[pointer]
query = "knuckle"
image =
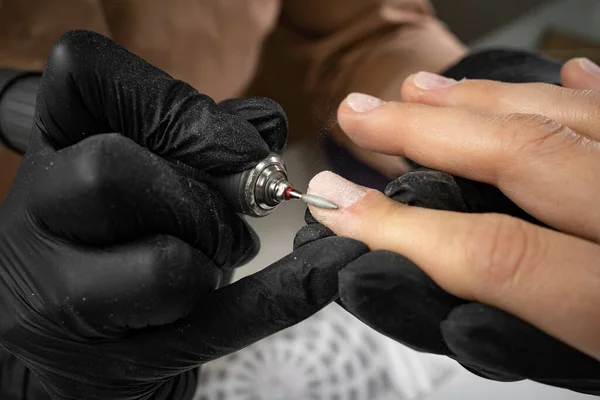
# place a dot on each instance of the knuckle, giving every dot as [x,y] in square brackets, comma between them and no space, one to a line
[162,249]
[496,92]
[69,298]
[95,169]
[427,189]
[164,261]
[594,99]
[501,253]
[73,50]
[90,173]
[534,133]
[591,97]
[389,215]
[589,113]
[311,233]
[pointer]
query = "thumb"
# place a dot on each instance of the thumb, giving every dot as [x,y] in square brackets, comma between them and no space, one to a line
[581,73]
[364,214]
[491,258]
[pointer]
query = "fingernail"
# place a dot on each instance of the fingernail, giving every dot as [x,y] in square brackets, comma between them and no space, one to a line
[363,102]
[337,189]
[590,66]
[429,81]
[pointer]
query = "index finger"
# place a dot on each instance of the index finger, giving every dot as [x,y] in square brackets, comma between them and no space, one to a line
[282,295]
[525,156]
[92,85]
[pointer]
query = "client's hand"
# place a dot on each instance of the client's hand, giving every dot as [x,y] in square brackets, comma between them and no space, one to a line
[517,240]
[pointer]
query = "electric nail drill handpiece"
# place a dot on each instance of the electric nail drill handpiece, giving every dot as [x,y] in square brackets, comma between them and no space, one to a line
[254,192]
[258,191]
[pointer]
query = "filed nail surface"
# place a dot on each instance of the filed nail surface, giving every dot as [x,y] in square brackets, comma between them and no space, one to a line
[340,191]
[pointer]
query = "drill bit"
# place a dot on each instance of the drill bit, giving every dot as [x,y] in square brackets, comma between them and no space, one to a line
[310,199]
[318,201]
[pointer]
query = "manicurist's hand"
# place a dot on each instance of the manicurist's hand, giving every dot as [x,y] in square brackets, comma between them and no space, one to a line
[491,253]
[112,260]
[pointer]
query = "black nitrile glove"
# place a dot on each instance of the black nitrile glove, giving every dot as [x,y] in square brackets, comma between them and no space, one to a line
[394,296]
[110,258]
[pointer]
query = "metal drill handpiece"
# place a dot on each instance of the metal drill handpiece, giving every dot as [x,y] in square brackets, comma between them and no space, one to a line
[257,191]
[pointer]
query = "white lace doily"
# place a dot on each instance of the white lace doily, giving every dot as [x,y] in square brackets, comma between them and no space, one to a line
[330,356]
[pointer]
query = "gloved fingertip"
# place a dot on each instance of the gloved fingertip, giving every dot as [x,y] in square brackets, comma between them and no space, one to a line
[266,115]
[428,189]
[311,233]
[309,218]
[491,375]
[279,296]
[494,340]
[75,51]
[468,326]
[470,347]
[70,42]
[393,296]
[368,278]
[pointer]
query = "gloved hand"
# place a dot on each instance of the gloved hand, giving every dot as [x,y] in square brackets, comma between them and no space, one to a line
[394,296]
[110,258]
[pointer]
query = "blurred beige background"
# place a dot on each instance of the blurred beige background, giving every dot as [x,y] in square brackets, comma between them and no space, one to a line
[470,19]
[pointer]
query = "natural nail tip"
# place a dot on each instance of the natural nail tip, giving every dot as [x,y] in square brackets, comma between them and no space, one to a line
[429,81]
[363,102]
[589,66]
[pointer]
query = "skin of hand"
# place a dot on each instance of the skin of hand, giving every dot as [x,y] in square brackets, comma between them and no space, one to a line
[539,144]
[29,28]
[213,45]
[429,46]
